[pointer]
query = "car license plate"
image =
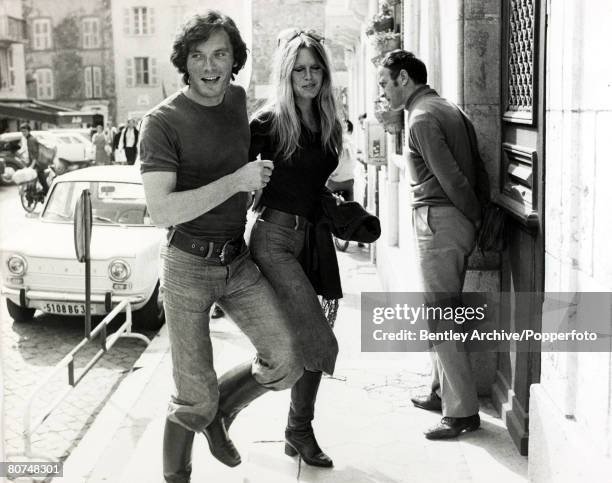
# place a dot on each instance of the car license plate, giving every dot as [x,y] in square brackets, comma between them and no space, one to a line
[64,309]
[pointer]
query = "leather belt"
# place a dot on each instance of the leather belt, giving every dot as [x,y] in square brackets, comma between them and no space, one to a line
[288,220]
[223,252]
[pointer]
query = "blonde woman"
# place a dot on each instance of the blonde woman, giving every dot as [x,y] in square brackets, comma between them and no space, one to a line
[299,130]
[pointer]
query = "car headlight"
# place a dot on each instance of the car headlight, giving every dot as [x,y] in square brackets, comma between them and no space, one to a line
[17,265]
[118,271]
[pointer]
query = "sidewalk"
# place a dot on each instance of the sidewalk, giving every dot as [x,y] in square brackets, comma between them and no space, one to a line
[364,419]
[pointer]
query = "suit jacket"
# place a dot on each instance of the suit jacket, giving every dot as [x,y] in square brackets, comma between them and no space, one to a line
[123,135]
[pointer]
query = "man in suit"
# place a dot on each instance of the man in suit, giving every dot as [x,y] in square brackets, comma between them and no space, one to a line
[128,141]
[446,216]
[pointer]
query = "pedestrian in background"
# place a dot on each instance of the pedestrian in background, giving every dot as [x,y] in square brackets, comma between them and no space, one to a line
[343,177]
[34,159]
[299,129]
[103,149]
[446,215]
[119,155]
[110,133]
[128,142]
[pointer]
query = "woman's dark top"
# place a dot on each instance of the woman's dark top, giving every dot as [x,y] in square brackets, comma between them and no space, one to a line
[296,184]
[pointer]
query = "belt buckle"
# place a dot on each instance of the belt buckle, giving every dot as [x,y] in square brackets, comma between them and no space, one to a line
[228,252]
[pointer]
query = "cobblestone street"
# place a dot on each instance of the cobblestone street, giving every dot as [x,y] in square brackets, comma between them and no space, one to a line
[29,352]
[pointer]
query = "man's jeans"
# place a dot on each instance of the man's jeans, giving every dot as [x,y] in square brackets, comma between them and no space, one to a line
[445,238]
[191,284]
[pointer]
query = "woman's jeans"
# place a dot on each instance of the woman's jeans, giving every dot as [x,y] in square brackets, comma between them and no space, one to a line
[191,284]
[276,249]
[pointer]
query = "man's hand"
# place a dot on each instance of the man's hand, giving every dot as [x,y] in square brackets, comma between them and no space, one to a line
[254,175]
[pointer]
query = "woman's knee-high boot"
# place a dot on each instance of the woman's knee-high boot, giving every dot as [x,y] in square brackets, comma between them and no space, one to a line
[299,436]
[178,442]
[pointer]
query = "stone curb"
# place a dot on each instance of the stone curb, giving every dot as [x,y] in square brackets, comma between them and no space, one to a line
[84,458]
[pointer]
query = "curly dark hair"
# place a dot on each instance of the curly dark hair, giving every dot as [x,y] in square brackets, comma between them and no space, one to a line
[198,29]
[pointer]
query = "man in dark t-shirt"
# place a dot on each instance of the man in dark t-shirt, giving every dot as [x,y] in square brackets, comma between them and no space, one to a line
[197,178]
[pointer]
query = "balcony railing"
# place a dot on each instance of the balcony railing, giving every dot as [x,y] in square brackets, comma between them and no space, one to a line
[12,30]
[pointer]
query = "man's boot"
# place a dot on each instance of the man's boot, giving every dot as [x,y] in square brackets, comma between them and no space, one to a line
[178,442]
[237,388]
[299,436]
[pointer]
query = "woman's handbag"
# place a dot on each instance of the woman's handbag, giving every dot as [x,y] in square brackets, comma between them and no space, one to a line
[492,232]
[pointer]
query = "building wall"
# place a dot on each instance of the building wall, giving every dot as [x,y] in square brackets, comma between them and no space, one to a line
[13,8]
[135,101]
[67,57]
[571,408]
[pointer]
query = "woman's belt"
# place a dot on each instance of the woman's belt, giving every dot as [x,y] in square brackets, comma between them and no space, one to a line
[288,220]
[224,252]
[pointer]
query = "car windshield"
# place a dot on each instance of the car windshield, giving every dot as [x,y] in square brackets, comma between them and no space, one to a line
[111,202]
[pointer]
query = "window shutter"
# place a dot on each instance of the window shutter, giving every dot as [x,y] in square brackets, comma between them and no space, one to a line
[126,21]
[47,35]
[88,84]
[38,84]
[153,62]
[97,35]
[85,33]
[97,82]
[151,20]
[129,72]
[50,81]
[36,35]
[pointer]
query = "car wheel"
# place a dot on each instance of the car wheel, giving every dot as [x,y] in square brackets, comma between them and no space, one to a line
[19,313]
[151,316]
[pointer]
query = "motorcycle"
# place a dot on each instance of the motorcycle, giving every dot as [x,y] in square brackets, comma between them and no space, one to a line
[30,190]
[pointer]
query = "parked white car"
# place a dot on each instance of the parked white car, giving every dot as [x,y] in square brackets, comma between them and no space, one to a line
[72,149]
[40,271]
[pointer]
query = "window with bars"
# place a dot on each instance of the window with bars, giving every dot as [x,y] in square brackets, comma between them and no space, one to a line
[93,81]
[91,33]
[41,34]
[141,71]
[139,21]
[44,84]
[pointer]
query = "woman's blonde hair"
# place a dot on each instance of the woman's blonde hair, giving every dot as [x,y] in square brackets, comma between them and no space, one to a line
[286,126]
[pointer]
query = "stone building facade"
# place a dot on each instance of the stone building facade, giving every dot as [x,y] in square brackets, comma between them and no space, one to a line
[12,58]
[532,76]
[69,55]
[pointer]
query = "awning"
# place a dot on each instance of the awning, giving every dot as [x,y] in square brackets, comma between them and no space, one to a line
[31,110]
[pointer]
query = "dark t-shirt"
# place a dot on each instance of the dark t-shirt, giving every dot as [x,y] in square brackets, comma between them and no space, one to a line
[296,184]
[201,144]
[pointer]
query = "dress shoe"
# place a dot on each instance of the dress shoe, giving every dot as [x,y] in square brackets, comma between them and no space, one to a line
[453,427]
[431,402]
